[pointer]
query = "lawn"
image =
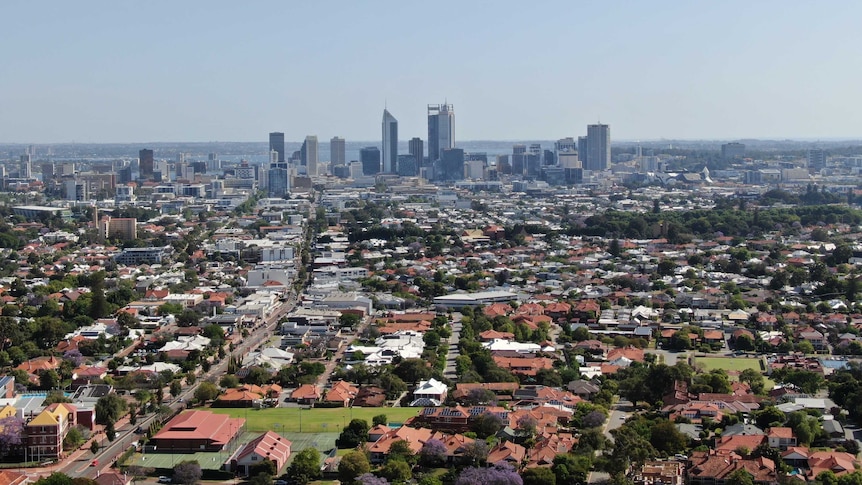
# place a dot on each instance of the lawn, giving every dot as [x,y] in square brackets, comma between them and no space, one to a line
[730,363]
[733,365]
[317,420]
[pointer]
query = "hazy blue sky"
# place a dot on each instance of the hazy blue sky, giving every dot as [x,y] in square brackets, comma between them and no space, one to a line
[117,71]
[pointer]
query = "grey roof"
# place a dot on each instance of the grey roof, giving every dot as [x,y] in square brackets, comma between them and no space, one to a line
[742,429]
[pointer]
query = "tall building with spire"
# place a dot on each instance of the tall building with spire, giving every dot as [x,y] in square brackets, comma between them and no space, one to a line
[441,130]
[390,143]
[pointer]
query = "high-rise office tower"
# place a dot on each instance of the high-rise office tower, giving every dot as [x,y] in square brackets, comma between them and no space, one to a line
[26,166]
[390,143]
[582,149]
[416,148]
[816,159]
[337,151]
[451,164]
[278,179]
[370,158]
[441,130]
[598,147]
[309,155]
[565,145]
[519,159]
[146,163]
[276,143]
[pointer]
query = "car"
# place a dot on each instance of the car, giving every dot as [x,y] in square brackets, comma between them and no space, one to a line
[94,463]
[280,482]
[164,479]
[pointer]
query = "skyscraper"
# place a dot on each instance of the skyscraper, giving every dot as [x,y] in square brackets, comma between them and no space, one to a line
[370,158]
[451,164]
[309,155]
[336,151]
[278,179]
[145,163]
[441,130]
[415,147]
[276,143]
[390,143]
[598,147]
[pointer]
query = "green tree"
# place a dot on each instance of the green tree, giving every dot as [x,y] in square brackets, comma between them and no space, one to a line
[539,476]
[486,424]
[739,477]
[396,471]
[352,465]
[206,391]
[570,468]
[109,409]
[266,467]
[666,438]
[98,303]
[305,466]
[754,379]
[176,388]
[379,419]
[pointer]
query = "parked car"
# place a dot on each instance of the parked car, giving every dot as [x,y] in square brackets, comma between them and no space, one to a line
[164,479]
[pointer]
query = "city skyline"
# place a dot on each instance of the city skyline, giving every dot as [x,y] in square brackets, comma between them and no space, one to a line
[660,70]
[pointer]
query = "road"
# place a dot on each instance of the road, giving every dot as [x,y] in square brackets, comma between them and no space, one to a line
[126,435]
[454,352]
[619,412]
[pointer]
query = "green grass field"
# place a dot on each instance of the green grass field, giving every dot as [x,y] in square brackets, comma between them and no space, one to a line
[730,363]
[317,420]
[733,365]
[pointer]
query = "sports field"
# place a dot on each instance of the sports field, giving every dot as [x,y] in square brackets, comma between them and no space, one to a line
[730,363]
[316,420]
[734,365]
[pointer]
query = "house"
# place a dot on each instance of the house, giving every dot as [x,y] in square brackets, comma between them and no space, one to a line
[113,478]
[193,431]
[46,432]
[341,393]
[659,473]
[305,394]
[369,397]
[431,390]
[728,444]
[834,430]
[583,389]
[11,477]
[240,397]
[838,462]
[507,452]
[268,446]
[782,438]
[709,468]
[502,390]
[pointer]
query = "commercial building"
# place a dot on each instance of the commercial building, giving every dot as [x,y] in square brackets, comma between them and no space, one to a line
[125,229]
[337,152]
[390,143]
[416,148]
[370,159]
[598,146]
[276,144]
[194,431]
[308,155]
[278,179]
[45,433]
[148,255]
[146,163]
[730,151]
[441,130]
